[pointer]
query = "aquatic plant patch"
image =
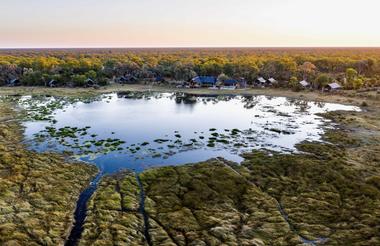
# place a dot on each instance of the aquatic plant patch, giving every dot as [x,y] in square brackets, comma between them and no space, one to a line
[137,130]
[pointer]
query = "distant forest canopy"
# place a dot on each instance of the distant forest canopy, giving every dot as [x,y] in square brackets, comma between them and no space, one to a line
[352,67]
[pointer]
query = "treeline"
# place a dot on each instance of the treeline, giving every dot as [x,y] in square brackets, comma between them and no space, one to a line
[353,68]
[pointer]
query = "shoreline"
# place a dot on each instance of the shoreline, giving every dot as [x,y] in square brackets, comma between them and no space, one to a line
[343,97]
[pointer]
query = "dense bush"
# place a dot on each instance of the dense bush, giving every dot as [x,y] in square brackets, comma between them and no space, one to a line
[354,68]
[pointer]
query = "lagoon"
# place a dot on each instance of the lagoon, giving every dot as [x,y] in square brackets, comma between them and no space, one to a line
[137,131]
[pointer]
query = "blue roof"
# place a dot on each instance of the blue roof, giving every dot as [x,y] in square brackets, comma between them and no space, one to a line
[230,82]
[205,79]
[159,78]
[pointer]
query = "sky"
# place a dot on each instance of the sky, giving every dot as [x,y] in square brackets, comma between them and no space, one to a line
[189,23]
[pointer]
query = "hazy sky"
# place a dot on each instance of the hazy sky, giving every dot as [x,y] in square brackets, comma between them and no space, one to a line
[157,23]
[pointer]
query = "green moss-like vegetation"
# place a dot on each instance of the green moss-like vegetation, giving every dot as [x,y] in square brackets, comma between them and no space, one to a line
[210,204]
[113,216]
[38,192]
[330,191]
[69,137]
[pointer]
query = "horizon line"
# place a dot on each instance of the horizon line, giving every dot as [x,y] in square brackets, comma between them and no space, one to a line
[185,47]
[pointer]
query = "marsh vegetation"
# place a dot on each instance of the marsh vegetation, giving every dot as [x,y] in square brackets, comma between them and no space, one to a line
[38,191]
[322,190]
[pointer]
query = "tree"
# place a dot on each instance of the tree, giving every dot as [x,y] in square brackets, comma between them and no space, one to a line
[353,80]
[115,68]
[308,70]
[91,74]
[294,84]
[33,78]
[184,65]
[183,72]
[357,83]
[212,67]
[222,77]
[282,69]
[321,81]
[351,76]
[110,67]
[79,80]
[371,64]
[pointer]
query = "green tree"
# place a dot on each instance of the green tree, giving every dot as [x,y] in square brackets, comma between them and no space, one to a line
[33,78]
[79,80]
[91,74]
[351,77]
[321,81]
[183,72]
[294,84]
[357,83]
[351,74]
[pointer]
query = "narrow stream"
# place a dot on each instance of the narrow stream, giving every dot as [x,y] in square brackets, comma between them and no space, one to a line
[142,211]
[319,240]
[81,212]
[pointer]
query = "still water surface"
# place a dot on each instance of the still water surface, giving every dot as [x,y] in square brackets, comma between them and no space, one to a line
[158,130]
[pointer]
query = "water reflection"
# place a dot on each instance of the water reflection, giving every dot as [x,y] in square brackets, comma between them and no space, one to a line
[138,131]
